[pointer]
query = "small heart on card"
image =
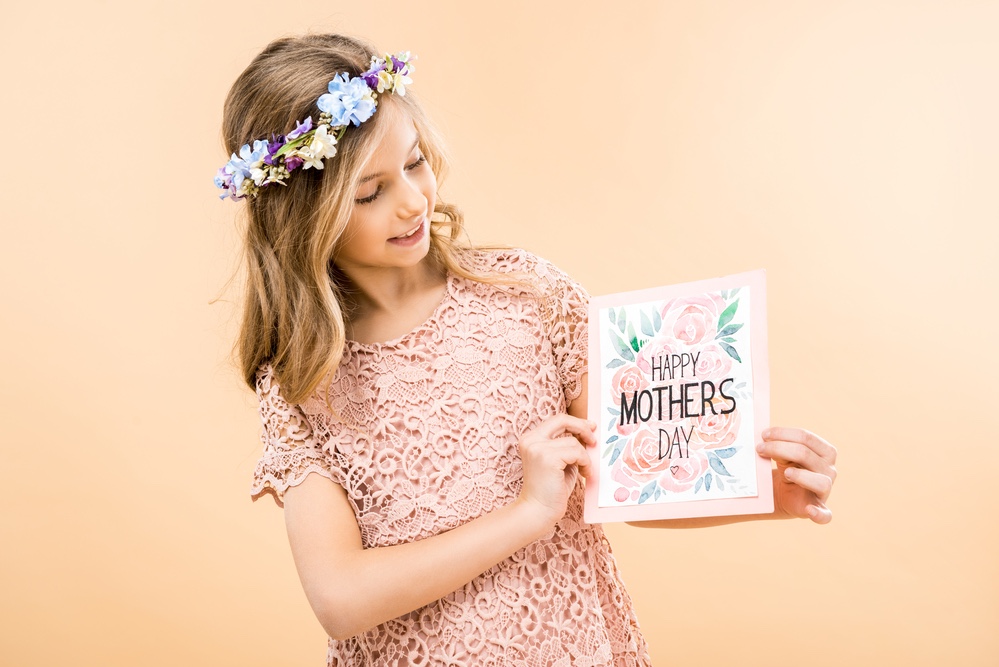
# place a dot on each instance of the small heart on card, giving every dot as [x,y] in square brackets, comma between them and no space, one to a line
[673,469]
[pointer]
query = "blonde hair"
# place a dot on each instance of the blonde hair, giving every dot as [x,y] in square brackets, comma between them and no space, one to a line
[294,309]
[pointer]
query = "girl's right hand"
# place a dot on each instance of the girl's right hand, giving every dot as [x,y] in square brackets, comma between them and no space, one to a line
[553,456]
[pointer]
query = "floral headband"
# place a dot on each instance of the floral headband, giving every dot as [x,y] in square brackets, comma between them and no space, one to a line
[349,101]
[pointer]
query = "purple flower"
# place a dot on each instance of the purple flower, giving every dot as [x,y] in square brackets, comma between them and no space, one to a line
[293,163]
[300,129]
[370,77]
[274,145]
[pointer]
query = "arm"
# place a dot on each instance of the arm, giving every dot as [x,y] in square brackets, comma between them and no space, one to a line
[802,480]
[351,589]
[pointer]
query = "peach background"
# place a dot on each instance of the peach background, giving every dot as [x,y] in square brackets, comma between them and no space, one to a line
[847,147]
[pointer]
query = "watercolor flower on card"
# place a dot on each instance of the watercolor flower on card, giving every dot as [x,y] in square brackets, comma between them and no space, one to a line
[681,352]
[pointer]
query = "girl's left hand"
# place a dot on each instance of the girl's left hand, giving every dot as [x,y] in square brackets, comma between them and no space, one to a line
[805,472]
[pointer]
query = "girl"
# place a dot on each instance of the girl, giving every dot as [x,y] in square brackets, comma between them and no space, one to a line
[423,403]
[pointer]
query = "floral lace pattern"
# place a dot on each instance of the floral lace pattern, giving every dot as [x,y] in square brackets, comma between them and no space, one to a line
[423,437]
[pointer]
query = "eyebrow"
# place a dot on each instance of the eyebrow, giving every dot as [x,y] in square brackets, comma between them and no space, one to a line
[371,177]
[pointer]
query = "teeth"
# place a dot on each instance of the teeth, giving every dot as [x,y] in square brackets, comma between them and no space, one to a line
[407,235]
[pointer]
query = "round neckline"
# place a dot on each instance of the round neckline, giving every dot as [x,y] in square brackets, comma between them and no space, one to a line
[392,342]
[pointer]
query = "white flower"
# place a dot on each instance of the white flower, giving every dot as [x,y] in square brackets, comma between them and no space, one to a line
[259,175]
[322,146]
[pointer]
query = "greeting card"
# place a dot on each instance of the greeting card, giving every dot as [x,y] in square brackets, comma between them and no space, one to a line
[679,388]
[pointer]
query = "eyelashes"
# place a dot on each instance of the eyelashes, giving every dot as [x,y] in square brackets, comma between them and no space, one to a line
[369,198]
[409,167]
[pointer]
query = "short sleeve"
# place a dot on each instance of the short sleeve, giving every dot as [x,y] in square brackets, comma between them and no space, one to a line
[566,306]
[291,449]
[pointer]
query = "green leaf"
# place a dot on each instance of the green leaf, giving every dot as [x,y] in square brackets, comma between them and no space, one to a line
[731,351]
[635,345]
[697,487]
[729,330]
[614,363]
[657,320]
[622,318]
[610,316]
[728,339]
[707,481]
[718,481]
[728,314]
[621,348]
[726,453]
[647,325]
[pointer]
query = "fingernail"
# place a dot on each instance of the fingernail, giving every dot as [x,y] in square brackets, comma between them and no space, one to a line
[767,433]
[759,447]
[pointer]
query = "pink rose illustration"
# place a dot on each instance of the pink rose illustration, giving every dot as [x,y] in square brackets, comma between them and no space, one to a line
[639,462]
[713,363]
[683,473]
[628,379]
[693,319]
[716,431]
[663,346]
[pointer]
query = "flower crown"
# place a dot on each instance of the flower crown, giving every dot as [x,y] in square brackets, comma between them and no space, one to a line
[352,100]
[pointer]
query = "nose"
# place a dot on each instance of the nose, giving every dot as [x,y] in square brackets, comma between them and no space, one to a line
[412,201]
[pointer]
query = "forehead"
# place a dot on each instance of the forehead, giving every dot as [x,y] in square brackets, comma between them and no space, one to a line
[396,132]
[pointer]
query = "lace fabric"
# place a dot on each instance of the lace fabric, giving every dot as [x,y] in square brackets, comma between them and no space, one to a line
[423,437]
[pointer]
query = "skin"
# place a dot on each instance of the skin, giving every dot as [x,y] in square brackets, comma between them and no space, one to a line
[352,589]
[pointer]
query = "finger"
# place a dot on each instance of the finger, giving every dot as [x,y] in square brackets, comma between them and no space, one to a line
[793,453]
[819,514]
[560,424]
[819,445]
[815,482]
[569,450]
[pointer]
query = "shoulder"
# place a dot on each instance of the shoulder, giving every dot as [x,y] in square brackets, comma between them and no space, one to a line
[514,263]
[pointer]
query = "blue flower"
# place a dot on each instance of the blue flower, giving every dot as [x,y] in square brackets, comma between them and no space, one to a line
[349,101]
[252,157]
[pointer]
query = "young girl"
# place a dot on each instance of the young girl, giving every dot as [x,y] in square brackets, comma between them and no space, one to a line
[423,403]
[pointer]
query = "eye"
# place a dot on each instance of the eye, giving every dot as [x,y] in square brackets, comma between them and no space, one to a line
[370,198]
[420,161]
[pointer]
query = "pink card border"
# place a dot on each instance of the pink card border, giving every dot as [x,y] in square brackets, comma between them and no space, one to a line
[760,504]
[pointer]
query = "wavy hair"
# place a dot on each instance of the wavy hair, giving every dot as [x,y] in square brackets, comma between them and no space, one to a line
[294,311]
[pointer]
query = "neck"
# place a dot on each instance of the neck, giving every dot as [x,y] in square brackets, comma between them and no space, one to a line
[384,291]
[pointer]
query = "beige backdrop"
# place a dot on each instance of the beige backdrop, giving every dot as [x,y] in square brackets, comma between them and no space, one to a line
[850,148]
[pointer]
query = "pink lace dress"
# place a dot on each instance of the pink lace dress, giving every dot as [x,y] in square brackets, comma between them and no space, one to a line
[427,440]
